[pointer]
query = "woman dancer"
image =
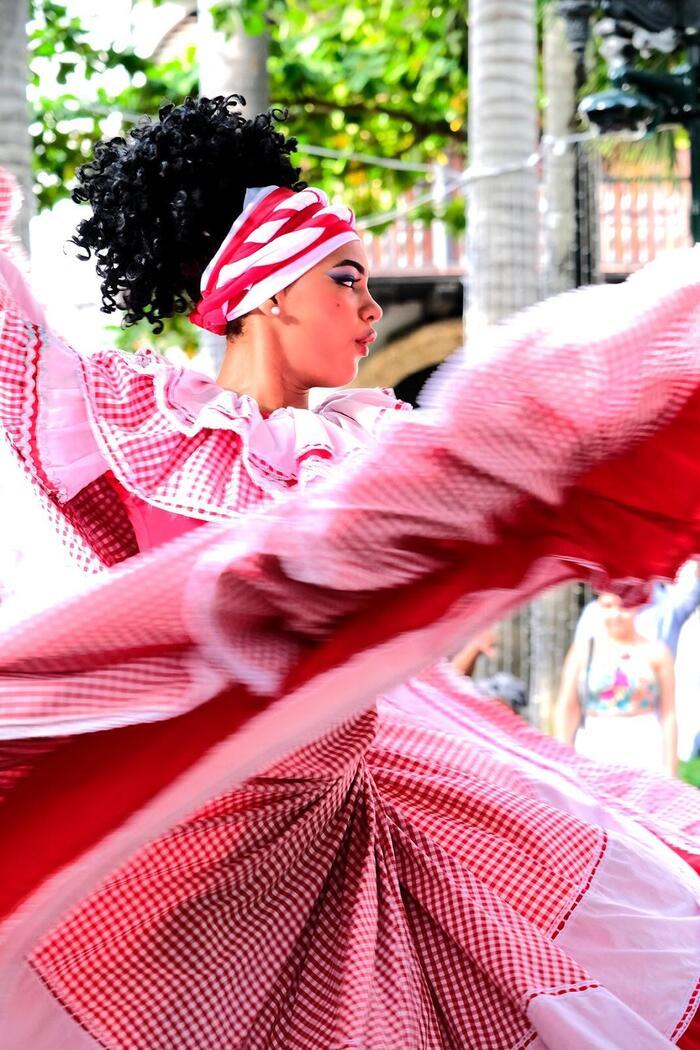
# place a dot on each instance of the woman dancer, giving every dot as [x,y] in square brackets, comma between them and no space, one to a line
[132,452]
[280,913]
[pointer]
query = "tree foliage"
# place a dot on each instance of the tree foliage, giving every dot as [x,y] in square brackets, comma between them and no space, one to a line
[385,78]
[379,77]
[83,105]
[382,77]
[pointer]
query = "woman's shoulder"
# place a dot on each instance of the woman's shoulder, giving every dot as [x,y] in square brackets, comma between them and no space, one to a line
[656,652]
[581,650]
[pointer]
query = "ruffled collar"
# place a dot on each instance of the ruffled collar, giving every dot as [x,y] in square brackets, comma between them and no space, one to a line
[277,447]
[166,433]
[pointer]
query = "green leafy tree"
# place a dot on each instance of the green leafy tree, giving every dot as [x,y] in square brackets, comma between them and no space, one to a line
[69,120]
[382,78]
[385,78]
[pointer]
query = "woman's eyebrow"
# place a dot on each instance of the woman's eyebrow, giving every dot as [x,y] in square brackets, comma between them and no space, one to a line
[351,262]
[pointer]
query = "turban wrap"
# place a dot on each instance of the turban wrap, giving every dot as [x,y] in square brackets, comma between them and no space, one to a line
[279,235]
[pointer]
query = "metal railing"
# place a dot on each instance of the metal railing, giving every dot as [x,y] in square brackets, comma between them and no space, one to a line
[638,219]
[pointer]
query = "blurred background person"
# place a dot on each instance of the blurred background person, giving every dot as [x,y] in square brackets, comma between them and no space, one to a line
[662,618]
[616,703]
[667,617]
[483,644]
[501,686]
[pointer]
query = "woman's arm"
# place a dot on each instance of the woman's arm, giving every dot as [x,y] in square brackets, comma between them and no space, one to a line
[663,665]
[465,660]
[567,713]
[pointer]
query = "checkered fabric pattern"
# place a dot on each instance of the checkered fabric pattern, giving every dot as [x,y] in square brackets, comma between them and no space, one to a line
[96,661]
[200,475]
[93,525]
[188,447]
[663,805]
[10,205]
[378,890]
[348,901]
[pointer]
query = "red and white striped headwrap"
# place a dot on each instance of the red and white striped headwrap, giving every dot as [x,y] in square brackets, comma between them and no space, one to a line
[279,235]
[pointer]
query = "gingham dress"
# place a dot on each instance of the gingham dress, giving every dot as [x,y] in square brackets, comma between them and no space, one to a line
[216,845]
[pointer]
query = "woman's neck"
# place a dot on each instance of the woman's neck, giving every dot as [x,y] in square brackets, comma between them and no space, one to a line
[254,367]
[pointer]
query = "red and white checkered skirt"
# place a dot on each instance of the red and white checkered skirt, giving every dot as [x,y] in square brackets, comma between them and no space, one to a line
[374,890]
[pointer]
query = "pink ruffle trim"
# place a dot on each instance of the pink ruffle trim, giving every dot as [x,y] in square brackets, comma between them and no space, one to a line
[96,414]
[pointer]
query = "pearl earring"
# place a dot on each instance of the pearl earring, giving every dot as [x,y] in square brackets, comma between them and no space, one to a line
[275,310]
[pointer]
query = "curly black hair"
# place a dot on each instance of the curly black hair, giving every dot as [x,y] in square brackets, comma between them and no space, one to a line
[164,198]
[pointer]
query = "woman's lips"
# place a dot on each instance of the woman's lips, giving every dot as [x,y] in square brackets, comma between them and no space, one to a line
[366,342]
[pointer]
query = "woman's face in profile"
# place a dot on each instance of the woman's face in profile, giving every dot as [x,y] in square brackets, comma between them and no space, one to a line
[327,319]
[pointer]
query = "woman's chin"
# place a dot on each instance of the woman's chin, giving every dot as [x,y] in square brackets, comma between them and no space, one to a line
[340,378]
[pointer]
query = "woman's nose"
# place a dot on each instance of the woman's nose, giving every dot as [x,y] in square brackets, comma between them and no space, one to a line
[372,310]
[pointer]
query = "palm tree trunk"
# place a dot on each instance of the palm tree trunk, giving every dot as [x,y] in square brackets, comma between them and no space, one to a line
[228,65]
[15,149]
[503,220]
[553,615]
[232,64]
[503,210]
[570,259]
[559,160]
